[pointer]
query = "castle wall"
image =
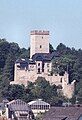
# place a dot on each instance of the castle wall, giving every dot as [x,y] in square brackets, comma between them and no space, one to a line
[23,76]
[68,90]
[31,75]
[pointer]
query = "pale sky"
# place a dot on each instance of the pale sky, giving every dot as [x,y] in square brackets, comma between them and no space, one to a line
[63,18]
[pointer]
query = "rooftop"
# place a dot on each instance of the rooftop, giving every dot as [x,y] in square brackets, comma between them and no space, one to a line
[18,105]
[38,102]
[63,113]
[44,56]
[21,107]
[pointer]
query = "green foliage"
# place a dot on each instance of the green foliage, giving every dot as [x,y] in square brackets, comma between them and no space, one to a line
[25,53]
[51,49]
[39,116]
[14,92]
[9,53]
[69,60]
[40,89]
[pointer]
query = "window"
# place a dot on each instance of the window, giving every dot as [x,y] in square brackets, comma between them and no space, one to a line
[23,114]
[38,64]
[31,66]
[42,67]
[42,37]
[38,70]
[40,46]
[48,65]
[47,107]
[61,80]
[42,107]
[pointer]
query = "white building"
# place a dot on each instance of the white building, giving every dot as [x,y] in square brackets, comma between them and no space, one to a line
[40,65]
[39,106]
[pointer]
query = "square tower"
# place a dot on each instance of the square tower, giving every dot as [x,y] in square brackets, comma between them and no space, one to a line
[39,42]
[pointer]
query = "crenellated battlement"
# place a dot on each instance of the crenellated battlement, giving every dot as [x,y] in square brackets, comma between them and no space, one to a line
[39,32]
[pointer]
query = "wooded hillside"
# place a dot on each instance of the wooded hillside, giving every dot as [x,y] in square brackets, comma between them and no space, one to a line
[69,60]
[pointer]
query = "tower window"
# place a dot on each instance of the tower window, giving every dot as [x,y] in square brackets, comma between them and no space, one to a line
[39,70]
[61,80]
[48,65]
[40,46]
[42,37]
[38,64]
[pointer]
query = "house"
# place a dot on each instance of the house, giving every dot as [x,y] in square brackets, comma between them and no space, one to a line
[18,110]
[40,65]
[39,106]
[63,113]
[2,107]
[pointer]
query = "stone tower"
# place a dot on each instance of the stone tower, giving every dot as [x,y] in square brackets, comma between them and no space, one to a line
[39,42]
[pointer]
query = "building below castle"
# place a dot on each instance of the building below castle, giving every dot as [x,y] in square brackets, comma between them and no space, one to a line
[40,65]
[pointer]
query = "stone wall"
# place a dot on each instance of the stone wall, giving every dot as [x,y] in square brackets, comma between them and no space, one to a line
[23,76]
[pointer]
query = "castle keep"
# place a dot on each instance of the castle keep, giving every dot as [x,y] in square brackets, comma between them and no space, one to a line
[40,65]
[39,42]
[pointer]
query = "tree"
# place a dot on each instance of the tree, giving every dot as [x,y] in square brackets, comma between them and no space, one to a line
[51,49]
[42,89]
[61,48]
[25,53]
[4,50]
[14,92]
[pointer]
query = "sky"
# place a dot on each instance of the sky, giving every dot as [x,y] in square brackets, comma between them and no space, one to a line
[63,18]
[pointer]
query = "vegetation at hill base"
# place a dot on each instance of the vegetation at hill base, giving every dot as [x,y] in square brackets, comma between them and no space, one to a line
[69,59]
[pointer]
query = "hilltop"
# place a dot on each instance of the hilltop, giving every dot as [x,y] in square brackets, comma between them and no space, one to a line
[69,60]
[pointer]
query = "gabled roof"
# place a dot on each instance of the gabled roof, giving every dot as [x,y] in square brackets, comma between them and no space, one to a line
[18,105]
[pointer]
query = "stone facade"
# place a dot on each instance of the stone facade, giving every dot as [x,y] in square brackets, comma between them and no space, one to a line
[39,42]
[40,65]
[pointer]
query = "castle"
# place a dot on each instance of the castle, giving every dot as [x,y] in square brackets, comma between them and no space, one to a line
[40,65]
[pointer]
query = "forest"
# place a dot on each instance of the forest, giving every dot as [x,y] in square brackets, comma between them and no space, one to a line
[69,60]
